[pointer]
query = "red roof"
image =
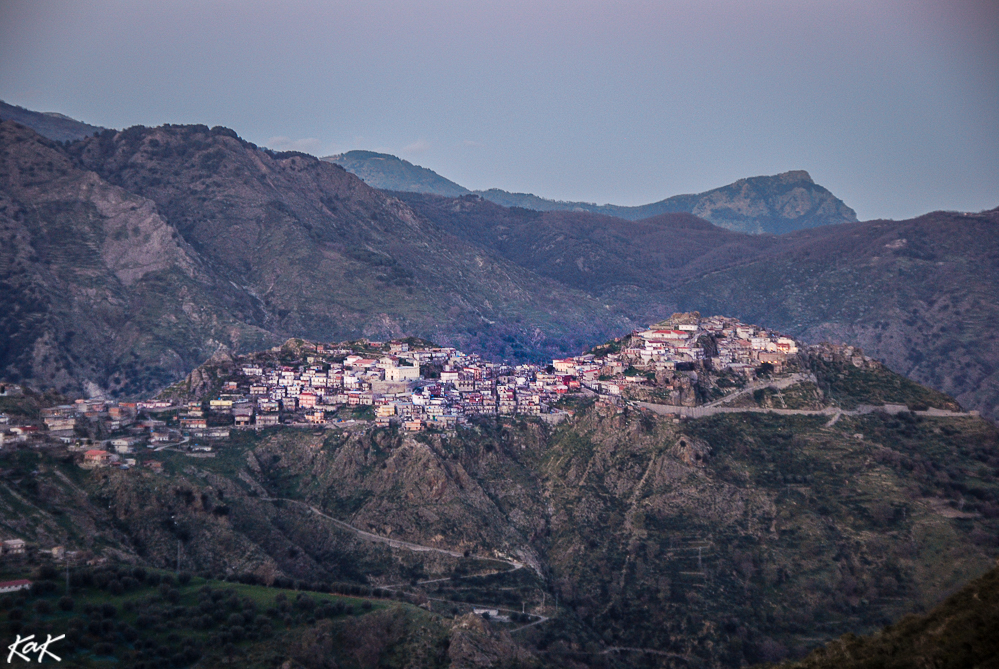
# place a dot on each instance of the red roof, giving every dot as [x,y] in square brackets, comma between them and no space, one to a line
[95,452]
[9,584]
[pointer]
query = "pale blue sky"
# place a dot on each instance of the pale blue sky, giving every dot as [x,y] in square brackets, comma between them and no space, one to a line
[894,106]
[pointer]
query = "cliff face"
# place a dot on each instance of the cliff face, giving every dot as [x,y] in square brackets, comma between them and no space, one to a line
[777,204]
[94,277]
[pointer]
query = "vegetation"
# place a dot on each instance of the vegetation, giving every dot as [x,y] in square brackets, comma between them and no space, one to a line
[963,631]
[140,617]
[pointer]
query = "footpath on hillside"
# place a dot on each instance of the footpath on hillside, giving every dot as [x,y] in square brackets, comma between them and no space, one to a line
[420,548]
[717,407]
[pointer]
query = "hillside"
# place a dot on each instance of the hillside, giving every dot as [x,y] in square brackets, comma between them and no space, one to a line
[135,255]
[386,172]
[95,280]
[735,538]
[125,615]
[48,124]
[963,631]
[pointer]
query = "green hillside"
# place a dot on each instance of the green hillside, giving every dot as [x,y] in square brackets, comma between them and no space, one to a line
[741,537]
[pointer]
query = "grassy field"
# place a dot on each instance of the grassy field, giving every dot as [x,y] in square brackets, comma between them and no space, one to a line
[123,616]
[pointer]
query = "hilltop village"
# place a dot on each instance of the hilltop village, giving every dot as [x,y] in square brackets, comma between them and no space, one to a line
[411,384]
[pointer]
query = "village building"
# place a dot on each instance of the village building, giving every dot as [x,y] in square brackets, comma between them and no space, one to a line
[13,547]
[14,586]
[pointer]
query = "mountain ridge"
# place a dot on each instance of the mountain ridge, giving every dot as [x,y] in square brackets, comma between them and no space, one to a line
[765,204]
[287,245]
[53,125]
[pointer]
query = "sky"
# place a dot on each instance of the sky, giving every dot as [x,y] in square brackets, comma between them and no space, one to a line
[891,105]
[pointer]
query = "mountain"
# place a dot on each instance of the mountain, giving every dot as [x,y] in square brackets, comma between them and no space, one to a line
[963,631]
[135,255]
[243,246]
[386,172]
[769,204]
[736,538]
[101,292]
[914,293]
[48,124]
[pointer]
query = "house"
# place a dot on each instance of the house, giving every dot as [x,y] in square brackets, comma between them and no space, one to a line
[193,423]
[13,547]
[663,335]
[567,366]
[123,444]
[402,373]
[266,419]
[55,423]
[786,345]
[96,458]
[14,586]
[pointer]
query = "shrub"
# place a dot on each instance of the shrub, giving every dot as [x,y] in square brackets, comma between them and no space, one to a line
[103,648]
[47,571]
[66,603]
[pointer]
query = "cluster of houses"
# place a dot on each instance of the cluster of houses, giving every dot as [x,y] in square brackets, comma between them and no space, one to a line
[412,385]
[416,387]
[722,343]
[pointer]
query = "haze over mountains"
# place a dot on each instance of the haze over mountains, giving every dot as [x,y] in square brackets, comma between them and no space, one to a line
[775,204]
[131,257]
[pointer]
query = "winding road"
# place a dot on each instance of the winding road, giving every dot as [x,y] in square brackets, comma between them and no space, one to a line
[419,548]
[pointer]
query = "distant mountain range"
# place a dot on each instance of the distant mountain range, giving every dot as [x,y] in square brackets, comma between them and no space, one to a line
[769,204]
[48,124]
[387,172]
[766,204]
[130,257]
